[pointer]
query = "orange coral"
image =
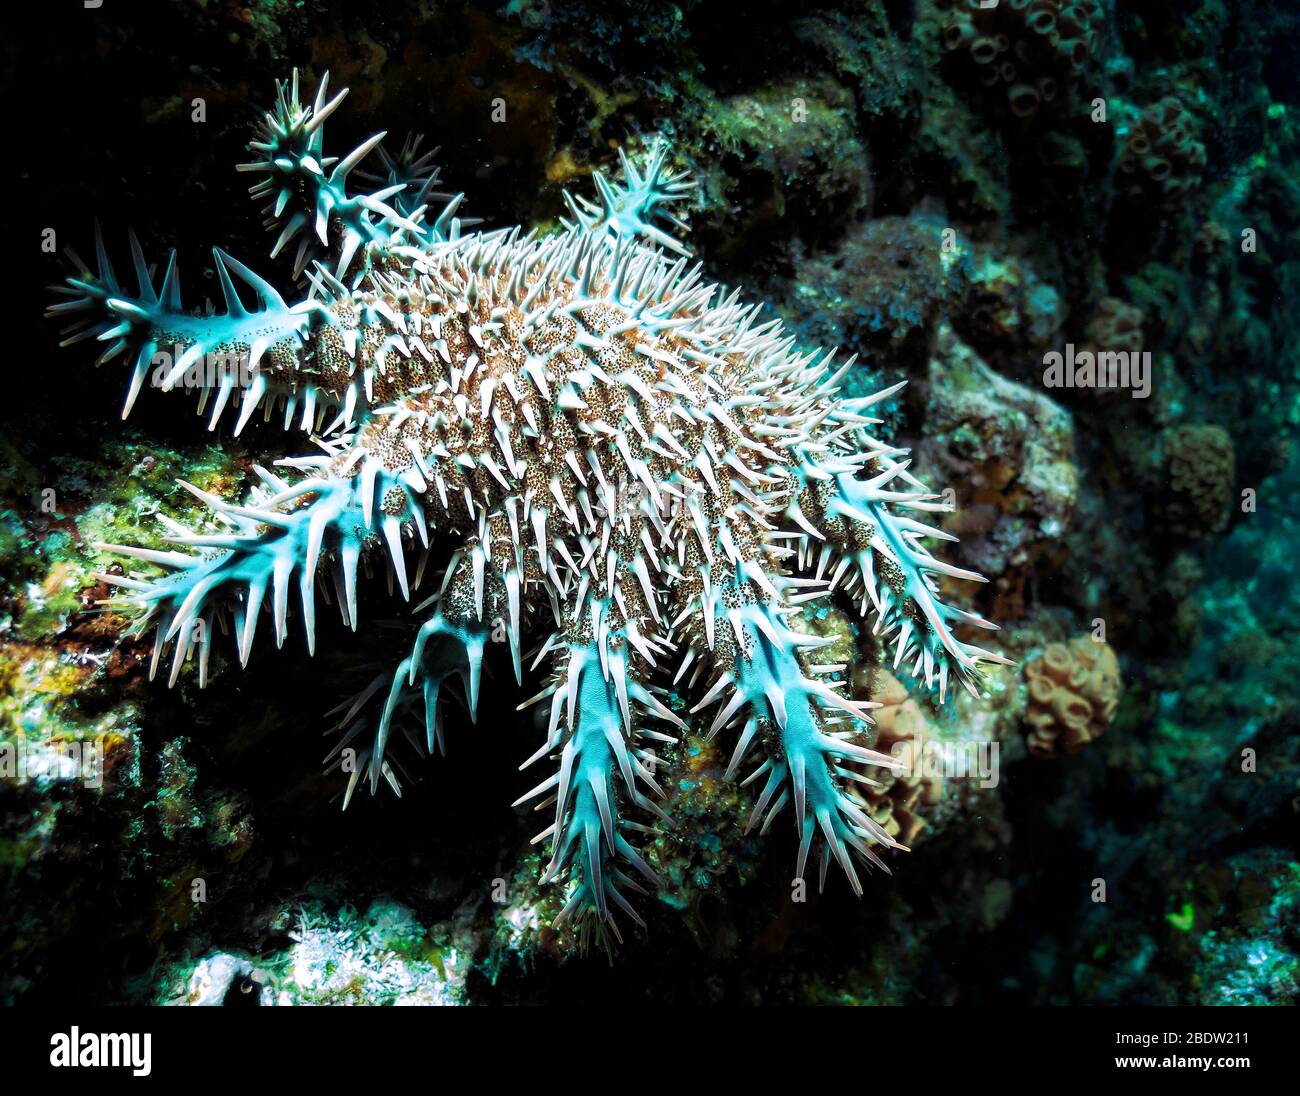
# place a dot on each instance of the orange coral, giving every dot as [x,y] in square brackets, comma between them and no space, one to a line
[1074,689]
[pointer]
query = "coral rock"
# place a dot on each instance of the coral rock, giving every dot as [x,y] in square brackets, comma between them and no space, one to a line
[1008,311]
[1115,325]
[1013,449]
[881,291]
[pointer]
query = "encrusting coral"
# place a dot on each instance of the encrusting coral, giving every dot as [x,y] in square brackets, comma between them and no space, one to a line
[621,461]
[1074,690]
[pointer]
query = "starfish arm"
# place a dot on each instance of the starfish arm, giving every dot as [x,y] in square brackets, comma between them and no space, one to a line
[250,357]
[307,193]
[763,685]
[417,175]
[449,643]
[597,696]
[854,531]
[630,209]
[285,535]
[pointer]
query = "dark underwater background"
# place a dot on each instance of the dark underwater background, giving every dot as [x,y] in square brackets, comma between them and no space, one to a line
[875,173]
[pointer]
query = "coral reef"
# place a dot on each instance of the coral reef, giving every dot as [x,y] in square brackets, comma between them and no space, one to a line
[383,956]
[1010,450]
[1115,326]
[1008,311]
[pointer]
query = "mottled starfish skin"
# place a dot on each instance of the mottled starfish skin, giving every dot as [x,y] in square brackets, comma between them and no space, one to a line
[632,467]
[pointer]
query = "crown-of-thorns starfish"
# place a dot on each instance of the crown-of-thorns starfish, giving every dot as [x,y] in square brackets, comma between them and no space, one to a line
[623,460]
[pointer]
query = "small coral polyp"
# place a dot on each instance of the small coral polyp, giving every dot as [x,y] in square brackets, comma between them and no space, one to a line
[630,469]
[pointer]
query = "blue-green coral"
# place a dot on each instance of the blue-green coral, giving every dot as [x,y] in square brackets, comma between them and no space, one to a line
[625,461]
